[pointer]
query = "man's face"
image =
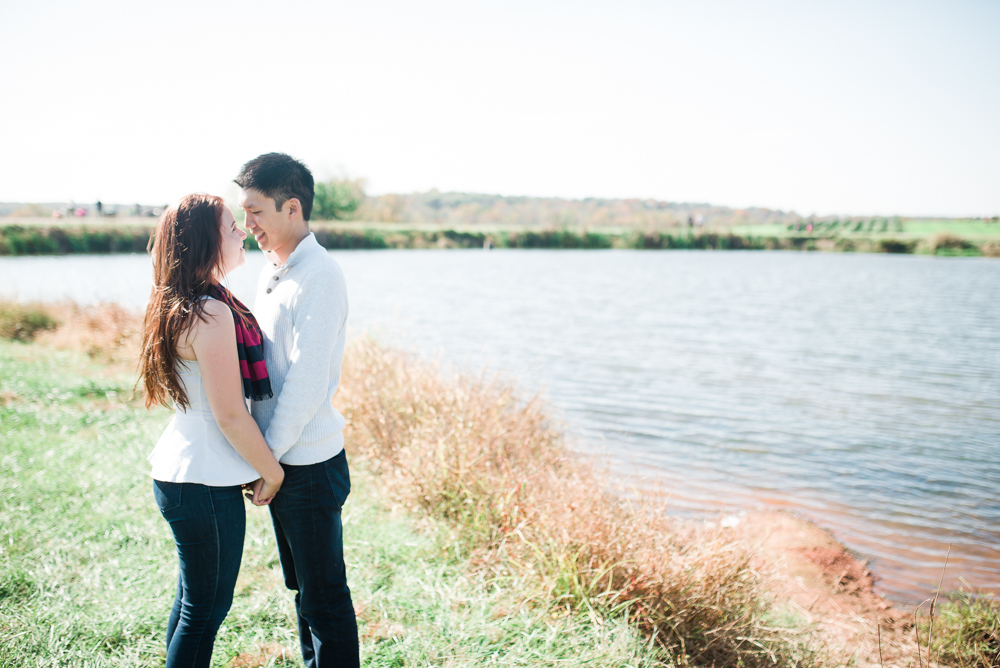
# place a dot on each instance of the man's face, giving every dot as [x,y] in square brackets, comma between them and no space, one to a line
[270,227]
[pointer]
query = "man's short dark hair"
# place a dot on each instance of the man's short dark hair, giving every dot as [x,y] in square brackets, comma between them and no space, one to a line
[280,177]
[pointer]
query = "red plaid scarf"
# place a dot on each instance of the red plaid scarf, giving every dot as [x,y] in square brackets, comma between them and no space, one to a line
[249,344]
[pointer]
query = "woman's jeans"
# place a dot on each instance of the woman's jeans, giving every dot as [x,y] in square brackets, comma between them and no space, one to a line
[208,524]
[306,517]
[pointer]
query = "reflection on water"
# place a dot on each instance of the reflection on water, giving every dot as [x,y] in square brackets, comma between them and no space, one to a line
[861,390]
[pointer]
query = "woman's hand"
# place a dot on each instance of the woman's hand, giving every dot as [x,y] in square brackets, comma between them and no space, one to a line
[261,492]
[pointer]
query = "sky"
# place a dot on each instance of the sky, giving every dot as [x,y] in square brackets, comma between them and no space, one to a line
[852,108]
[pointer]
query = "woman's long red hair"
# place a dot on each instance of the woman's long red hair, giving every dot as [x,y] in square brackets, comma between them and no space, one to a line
[186,249]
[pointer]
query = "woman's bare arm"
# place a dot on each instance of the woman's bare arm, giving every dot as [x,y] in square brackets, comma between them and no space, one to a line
[213,342]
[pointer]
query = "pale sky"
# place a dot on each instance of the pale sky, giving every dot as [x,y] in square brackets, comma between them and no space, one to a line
[819,107]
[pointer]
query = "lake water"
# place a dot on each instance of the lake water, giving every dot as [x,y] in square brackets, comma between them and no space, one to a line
[862,391]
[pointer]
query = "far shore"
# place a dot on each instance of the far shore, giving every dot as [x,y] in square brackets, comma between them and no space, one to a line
[961,237]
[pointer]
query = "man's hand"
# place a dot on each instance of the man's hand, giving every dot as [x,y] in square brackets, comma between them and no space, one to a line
[261,493]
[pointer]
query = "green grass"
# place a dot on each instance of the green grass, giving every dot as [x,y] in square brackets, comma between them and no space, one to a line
[967,631]
[88,568]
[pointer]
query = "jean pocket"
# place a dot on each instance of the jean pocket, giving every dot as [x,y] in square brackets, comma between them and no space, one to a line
[167,495]
[339,476]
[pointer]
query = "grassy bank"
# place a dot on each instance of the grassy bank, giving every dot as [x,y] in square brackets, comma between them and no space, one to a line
[87,566]
[943,238]
[472,536]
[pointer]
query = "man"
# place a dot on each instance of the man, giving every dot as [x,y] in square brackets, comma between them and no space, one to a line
[301,306]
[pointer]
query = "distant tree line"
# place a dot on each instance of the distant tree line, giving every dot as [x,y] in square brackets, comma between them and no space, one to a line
[344,199]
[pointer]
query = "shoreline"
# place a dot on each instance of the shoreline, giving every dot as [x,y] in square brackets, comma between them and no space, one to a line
[107,236]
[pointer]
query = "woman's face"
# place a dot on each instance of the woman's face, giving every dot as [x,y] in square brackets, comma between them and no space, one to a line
[233,254]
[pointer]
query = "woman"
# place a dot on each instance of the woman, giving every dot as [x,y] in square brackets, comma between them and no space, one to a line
[201,349]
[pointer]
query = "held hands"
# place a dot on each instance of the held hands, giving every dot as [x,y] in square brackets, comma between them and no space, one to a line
[261,492]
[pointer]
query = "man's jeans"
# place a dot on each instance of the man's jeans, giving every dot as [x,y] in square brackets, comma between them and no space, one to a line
[208,524]
[307,527]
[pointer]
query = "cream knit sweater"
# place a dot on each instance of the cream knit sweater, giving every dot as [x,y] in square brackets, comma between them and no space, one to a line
[302,310]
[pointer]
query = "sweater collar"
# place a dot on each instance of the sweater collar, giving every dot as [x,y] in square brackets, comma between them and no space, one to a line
[307,246]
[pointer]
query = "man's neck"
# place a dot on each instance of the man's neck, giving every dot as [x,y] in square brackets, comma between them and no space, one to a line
[286,251]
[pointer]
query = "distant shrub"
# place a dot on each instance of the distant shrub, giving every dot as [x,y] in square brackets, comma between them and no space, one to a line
[896,246]
[990,249]
[337,199]
[704,241]
[846,245]
[557,238]
[349,239]
[21,322]
[948,242]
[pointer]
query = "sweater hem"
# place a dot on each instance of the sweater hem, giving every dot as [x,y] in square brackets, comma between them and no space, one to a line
[313,453]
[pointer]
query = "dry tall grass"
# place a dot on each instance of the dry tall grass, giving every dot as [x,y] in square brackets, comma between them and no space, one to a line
[472,452]
[107,331]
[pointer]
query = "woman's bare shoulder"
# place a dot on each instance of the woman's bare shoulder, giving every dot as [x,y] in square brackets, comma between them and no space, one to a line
[217,321]
[218,312]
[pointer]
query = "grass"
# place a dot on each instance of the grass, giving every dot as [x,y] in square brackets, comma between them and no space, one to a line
[966,632]
[87,566]
[472,536]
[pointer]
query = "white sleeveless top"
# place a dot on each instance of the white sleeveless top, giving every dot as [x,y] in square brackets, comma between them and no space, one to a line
[192,447]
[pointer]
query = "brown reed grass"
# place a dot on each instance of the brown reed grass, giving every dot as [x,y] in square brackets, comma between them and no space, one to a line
[105,331]
[472,452]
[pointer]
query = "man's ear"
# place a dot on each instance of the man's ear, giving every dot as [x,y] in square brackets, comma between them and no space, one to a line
[294,208]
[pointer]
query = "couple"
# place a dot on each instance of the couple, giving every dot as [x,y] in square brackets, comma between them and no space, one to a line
[206,353]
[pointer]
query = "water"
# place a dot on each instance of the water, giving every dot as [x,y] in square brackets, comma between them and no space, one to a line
[862,391]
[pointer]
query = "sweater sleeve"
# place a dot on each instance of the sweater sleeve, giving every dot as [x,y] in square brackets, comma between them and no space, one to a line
[319,319]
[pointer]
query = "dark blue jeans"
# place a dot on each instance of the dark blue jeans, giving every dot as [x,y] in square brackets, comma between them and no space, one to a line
[307,527]
[208,524]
